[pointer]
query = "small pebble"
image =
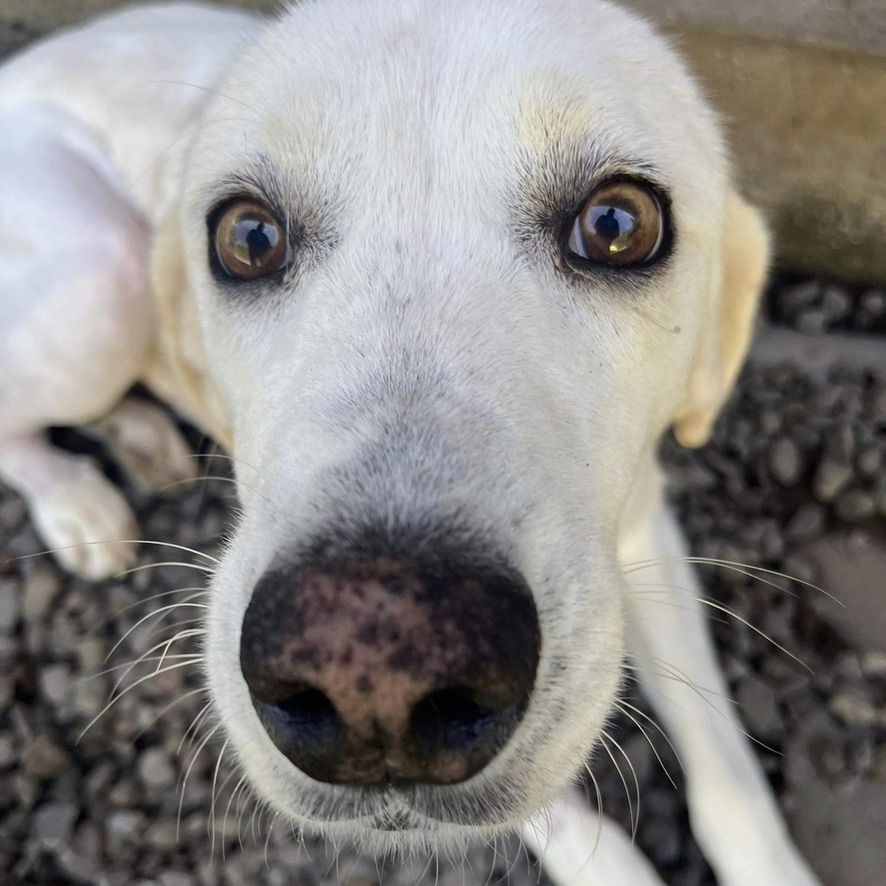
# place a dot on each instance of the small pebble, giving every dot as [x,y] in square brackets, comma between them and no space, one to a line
[55,683]
[786,462]
[831,479]
[53,823]
[855,506]
[41,587]
[154,769]
[853,709]
[10,606]
[44,758]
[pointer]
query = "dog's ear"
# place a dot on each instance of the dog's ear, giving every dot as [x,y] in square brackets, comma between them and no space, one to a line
[724,345]
[178,373]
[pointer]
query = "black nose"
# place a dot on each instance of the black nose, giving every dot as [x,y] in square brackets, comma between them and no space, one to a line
[387,672]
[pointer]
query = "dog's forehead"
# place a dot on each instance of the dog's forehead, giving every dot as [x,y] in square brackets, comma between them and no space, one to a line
[408,88]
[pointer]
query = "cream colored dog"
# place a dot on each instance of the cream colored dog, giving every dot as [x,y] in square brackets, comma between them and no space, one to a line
[439,276]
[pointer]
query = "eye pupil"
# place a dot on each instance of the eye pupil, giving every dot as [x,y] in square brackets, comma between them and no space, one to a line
[607,225]
[258,240]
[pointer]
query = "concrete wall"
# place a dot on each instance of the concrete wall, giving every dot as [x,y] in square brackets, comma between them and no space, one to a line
[802,87]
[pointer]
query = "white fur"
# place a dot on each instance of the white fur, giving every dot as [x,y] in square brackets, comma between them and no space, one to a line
[424,318]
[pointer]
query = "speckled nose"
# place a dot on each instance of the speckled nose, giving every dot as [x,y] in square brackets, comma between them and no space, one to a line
[388,672]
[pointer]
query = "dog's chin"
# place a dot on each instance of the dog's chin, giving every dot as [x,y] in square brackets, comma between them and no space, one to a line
[401,832]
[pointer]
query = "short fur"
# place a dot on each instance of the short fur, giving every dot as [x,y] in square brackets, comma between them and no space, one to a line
[426,358]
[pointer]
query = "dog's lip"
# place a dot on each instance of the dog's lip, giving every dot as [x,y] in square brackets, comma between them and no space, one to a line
[393,822]
[394,818]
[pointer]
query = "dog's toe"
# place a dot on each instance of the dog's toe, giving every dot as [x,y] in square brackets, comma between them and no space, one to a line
[145,441]
[88,526]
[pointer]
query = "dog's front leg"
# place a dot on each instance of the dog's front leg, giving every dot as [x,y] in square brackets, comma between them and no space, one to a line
[579,847]
[734,815]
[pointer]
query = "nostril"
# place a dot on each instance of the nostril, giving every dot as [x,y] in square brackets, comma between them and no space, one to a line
[305,726]
[310,711]
[454,719]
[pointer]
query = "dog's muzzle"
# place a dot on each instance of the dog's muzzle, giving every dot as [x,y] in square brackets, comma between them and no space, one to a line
[390,671]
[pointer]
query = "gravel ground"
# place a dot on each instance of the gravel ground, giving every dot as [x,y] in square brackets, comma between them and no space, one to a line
[793,481]
[814,306]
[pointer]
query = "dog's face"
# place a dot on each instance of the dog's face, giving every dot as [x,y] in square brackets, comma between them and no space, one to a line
[457,267]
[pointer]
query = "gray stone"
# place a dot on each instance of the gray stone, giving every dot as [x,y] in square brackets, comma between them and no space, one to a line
[813,321]
[125,824]
[8,754]
[164,835]
[831,479]
[759,706]
[44,758]
[836,303]
[870,461]
[873,664]
[53,823]
[786,462]
[838,825]
[10,606]
[873,303]
[41,588]
[154,769]
[853,709]
[808,522]
[855,506]
[56,683]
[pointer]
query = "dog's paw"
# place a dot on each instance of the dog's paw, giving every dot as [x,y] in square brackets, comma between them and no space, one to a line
[87,525]
[144,440]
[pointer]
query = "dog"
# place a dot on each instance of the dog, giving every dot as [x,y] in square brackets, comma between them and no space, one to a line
[438,276]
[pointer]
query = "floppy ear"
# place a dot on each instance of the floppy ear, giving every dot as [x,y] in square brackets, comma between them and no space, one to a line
[178,373]
[745,261]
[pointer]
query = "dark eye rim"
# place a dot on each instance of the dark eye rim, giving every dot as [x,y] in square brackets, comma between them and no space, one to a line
[585,266]
[213,218]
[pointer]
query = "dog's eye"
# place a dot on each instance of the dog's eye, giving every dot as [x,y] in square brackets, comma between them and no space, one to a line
[620,225]
[249,242]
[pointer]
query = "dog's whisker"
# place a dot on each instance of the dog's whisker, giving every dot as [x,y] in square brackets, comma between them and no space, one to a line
[116,541]
[194,727]
[675,674]
[270,826]
[709,705]
[193,760]
[181,635]
[129,664]
[165,710]
[212,793]
[599,797]
[235,482]
[720,607]
[231,800]
[221,790]
[626,708]
[746,569]
[145,566]
[202,88]
[184,137]
[174,546]
[237,462]
[147,656]
[160,614]
[725,610]
[605,740]
[197,592]
[176,666]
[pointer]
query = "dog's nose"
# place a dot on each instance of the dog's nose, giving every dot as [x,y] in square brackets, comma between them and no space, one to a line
[385,672]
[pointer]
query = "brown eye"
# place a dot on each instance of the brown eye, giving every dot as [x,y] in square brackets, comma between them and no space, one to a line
[621,225]
[249,242]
